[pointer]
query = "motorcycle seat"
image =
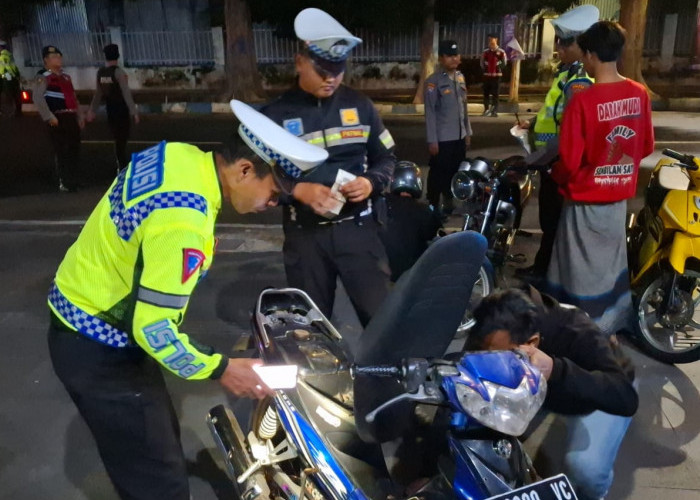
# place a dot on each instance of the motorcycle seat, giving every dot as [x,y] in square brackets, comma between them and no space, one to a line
[673,178]
[419,318]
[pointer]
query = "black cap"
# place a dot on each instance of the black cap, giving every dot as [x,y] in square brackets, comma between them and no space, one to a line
[111,52]
[448,48]
[50,49]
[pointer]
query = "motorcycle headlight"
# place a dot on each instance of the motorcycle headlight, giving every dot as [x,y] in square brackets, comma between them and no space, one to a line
[506,410]
[465,185]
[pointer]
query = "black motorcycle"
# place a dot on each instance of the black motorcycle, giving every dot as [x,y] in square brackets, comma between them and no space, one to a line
[493,196]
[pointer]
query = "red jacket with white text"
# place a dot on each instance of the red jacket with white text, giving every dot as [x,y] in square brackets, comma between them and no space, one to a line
[605,133]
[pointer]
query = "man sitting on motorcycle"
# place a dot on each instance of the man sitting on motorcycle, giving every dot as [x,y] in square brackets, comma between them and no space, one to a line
[589,379]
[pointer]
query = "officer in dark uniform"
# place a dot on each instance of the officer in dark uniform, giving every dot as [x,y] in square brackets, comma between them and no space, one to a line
[447,128]
[58,106]
[331,230]
[112,87]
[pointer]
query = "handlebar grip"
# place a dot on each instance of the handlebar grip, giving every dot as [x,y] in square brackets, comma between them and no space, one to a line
[686,160]
[378,370]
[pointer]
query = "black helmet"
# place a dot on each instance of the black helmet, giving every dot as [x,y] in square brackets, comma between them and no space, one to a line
[407,179]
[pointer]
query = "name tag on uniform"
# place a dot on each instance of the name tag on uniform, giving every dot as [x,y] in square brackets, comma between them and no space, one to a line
[146,171]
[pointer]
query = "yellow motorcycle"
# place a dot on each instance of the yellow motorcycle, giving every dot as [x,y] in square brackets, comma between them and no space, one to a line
[664,260]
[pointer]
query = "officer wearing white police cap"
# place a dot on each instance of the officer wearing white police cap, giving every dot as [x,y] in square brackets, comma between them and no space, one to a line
[574,22]
[122,290]
[331,228]
[569,79]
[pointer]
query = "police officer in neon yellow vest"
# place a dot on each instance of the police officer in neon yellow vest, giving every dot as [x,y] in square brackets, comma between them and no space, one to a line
[569,79]
[9,79]
[120,294]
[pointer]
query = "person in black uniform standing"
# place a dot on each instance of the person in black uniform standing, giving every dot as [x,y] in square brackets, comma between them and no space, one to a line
[113,88]
[331,230]
[58,106]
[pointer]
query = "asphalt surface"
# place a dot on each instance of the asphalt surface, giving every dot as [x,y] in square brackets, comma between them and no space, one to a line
[46,451]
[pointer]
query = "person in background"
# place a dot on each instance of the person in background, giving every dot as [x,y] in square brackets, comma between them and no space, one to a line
[605,133]
[493,61]
[589,379]
[112,88]
[411,225]
[570,79]
[58,106]
[10,79]
[447,128]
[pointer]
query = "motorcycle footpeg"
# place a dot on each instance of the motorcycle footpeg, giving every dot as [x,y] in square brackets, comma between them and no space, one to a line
[518,258]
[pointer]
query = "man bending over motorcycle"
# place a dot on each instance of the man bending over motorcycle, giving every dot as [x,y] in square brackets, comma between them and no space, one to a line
[589,379]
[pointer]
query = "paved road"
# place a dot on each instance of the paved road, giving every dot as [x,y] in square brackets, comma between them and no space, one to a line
[46,450]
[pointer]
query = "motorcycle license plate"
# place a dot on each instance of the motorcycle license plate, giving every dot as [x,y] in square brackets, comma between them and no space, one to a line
[552,488]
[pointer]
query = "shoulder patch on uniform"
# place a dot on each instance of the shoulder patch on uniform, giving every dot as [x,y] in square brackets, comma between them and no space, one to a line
[294,126]
[386,139]
[192,260]
[349,117]
[146,171]
[575,86]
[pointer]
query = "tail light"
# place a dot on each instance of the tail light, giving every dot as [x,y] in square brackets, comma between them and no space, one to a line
[26,96]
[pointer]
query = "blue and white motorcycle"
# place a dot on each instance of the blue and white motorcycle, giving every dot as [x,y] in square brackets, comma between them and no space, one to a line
[321,438]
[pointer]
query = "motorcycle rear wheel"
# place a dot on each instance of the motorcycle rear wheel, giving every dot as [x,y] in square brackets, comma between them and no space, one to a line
[673,345]
[484,285]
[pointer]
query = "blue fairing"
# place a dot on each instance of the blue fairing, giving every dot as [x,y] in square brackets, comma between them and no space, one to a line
[499,367]
[322,458]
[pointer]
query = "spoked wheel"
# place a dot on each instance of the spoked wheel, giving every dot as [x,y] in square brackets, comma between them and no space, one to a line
[483,286]
[671,332]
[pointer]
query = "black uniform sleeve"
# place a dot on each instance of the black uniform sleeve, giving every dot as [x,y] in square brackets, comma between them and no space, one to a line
[588,374]
[380,152]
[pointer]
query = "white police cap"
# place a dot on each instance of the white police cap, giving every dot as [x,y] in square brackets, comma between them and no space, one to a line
[275,145]
[575,21]
[324,36]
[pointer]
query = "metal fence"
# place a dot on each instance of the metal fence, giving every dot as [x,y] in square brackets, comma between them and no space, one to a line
[405,47]
[79,49]
[159,48]
[168,48]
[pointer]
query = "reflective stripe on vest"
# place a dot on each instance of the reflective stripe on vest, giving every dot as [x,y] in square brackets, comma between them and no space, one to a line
[85,323]
[127,220]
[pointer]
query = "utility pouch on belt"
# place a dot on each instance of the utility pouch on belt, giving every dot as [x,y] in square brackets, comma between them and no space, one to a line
[379,210]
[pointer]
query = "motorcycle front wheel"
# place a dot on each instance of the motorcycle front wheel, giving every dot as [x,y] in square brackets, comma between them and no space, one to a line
[484,285]
[671,336]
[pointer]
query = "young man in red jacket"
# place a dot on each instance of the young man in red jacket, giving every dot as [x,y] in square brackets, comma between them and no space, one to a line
[605,134]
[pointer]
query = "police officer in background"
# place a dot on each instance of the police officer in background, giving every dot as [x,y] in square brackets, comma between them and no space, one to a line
[447,126]
[120,294]
[569,79]
[58,106]
[322,240]
[9,79]
[112,87]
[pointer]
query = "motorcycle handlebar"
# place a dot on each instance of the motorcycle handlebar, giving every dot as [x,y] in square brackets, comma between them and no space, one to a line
[377,370]
[687,160]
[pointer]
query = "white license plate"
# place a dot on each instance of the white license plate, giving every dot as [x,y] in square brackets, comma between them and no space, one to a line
[552,488]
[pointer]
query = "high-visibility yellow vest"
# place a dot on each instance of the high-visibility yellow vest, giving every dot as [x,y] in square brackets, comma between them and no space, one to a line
[8,68]
[127,279]
[569,80]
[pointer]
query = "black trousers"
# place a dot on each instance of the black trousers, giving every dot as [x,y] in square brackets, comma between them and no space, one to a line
[120,126]
[121,395]
[550,203]
[11,89]
[443,166]
[65,138]
[314,257]
[491,87]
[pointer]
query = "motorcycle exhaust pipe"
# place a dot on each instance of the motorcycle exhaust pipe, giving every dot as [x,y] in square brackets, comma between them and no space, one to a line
[230,440]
